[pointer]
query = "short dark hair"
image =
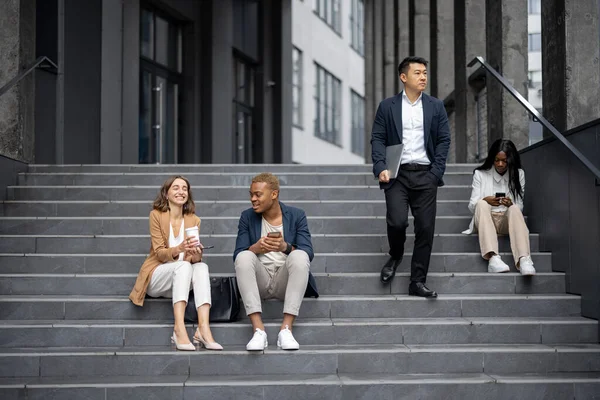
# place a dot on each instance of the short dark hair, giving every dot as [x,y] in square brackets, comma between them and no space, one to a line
[404,64]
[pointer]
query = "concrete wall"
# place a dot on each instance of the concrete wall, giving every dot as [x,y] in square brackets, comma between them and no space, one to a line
[571,62]
[82,81]
[320,43]
[10,168]
[17,50]
[569,224]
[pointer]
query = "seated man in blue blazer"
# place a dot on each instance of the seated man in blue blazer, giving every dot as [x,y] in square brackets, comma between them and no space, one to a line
[272,259]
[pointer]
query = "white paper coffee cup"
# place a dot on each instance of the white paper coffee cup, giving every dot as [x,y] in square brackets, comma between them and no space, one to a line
[193,233]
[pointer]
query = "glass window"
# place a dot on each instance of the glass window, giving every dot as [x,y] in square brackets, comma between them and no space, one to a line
[243,110]
[329,11]
[147,34]
[535,42]
[327,106]
[358,124]
[160,80]
[534,6]
[297,87]
[160,40]
[357,26]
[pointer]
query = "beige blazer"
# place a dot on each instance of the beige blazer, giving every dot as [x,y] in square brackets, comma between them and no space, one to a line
[160,227]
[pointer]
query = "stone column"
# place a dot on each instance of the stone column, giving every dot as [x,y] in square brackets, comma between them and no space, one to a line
[17,47]
[469,42]
[441,71]
[570,62]
[506,45]
[422,33]
[387,42]
[403,36]
[111,82]
[131,82]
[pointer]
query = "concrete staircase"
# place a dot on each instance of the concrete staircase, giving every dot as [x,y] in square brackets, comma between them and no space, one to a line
[72,239]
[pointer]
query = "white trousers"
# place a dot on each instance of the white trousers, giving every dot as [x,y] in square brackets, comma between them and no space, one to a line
[175,279]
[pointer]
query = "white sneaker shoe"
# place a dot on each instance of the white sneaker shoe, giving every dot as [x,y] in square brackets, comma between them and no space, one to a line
[258,341]
[497,265]
[526,266]
[286,341]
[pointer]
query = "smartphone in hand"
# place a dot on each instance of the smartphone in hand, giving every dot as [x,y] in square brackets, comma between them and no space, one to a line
[274,234]
[500,194]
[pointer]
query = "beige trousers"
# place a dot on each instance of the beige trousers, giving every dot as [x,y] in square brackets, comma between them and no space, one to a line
[489,224]
[175,279]
[288,283]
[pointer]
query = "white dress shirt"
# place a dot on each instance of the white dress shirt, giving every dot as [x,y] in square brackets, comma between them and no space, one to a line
[413,133]
[488,183]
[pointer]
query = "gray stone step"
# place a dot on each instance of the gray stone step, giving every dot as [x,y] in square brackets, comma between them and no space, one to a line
[222,262]
[335,284]
[323,331]
[210,225]
[359,359]
[134,208]
[148,193]
[555,386]
[248,168]
[337,243]
[215,178]
[36,307]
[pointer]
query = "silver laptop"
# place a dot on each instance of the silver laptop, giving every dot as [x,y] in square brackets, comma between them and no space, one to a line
[393,157]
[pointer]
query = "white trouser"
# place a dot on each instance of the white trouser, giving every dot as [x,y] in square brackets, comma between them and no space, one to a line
[175,279]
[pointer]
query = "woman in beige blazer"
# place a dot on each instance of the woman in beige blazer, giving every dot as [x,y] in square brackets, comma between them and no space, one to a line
[175,265]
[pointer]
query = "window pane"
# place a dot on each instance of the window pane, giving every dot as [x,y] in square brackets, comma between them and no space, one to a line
[145,134]
[162,41]
[535,41]
[297,86]
[323,102]
[147,34]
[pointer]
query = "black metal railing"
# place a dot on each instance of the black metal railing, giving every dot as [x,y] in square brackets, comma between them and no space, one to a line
[537,116]
[43,63]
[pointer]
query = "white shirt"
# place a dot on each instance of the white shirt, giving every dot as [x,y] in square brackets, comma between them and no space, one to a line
[413,133]
[274,259]
[488,183]
[176,241]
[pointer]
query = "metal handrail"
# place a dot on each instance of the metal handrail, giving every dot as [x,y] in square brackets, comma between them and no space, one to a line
[536,115]
[37,63]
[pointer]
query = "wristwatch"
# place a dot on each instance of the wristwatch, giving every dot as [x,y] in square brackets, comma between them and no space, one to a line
[288,249]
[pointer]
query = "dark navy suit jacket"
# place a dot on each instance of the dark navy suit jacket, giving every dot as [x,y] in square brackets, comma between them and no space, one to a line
[295,231]
[387,131]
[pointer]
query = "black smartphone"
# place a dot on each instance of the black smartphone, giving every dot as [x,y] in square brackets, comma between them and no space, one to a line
[274,234]
[207,247]
[500,194]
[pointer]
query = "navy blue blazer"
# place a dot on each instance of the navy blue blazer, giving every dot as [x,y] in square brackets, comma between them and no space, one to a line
[295,231]
[387,131]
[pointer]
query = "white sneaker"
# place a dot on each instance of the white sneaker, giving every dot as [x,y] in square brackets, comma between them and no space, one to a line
[526,266]
[286,341]
[258,341]
[497,265]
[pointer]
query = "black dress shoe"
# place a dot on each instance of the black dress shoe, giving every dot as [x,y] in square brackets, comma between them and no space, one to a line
[419,289]
[389,270]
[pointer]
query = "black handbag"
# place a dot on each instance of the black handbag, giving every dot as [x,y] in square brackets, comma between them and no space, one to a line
[225,298]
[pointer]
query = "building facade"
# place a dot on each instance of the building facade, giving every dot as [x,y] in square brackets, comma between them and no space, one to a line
[328,82]
[145,81]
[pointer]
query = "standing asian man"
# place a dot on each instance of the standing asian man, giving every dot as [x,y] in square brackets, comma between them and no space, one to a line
[420,123]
